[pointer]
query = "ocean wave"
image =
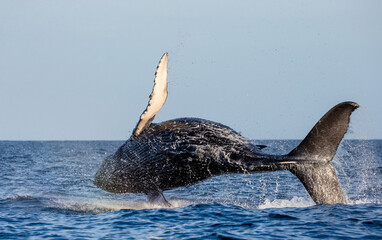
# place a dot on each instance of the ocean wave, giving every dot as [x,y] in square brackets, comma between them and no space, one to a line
[19,197]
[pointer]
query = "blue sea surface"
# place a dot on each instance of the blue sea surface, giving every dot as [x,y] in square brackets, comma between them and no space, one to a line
[47,191]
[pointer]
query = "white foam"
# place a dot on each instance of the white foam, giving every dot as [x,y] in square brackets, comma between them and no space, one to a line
[296,202]
[107,205]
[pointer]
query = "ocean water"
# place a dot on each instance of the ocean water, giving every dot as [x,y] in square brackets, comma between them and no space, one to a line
[46,191]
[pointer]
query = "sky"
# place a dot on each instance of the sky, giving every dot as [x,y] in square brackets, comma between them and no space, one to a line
[83,70]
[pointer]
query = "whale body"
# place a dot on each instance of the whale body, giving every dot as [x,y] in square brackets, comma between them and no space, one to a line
[185,151]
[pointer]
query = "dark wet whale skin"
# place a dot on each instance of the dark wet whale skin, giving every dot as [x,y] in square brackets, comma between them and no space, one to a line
[181,152]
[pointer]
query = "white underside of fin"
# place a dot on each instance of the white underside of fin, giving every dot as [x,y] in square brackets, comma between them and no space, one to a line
[157,97]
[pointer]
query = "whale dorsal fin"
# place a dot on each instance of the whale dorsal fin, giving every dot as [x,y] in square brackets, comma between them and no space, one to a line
[157,97]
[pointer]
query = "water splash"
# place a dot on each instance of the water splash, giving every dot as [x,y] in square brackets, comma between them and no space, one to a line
[358,169]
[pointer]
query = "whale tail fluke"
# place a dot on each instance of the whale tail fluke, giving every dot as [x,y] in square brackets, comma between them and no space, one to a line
[319,147]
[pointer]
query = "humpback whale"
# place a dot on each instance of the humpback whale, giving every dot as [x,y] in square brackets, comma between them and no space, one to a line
[185,151]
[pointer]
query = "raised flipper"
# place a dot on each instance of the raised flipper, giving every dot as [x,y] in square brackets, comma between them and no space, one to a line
[157,197]
[319,147]
[157,97]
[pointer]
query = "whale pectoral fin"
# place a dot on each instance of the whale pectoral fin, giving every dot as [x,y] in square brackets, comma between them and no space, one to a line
[157,197]
[157,97]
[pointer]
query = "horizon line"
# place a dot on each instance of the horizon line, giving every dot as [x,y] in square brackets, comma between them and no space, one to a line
[119,140]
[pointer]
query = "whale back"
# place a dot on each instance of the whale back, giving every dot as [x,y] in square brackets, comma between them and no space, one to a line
[177,153]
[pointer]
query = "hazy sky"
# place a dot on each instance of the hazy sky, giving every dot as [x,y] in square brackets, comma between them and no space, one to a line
[83,70]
